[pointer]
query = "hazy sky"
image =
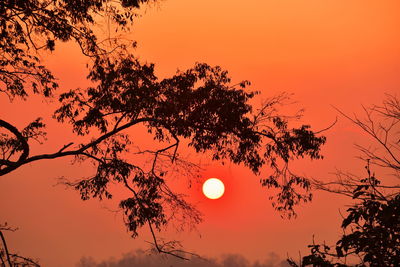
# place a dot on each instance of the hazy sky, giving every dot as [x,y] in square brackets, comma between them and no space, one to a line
[328,53]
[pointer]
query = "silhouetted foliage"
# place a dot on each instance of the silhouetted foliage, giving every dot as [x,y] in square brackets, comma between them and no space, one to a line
[28,26]
[373,226]
[199,105]
[372,223]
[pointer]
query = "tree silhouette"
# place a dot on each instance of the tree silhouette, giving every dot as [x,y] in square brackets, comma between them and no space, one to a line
[372,224]
[199,106]
[30,26]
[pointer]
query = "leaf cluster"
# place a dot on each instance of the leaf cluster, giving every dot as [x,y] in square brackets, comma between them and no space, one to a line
[373,231]
[199,105]
[28,27]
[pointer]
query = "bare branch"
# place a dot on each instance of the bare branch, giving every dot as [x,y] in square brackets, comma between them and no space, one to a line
[5,248]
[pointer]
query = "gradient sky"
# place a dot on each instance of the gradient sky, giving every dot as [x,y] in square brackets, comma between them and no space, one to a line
[328,53]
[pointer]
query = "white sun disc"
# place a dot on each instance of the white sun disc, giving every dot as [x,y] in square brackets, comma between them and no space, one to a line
[213,188]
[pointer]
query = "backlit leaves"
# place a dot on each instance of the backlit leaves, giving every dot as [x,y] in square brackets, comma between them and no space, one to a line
[199,105]
[29,26]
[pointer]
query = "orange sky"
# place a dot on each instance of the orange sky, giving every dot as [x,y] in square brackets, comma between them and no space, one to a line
[341,53]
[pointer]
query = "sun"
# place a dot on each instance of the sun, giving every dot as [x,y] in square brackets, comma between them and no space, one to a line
[213,188]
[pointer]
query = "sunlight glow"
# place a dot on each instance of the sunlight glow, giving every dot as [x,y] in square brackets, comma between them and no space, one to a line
[213,188]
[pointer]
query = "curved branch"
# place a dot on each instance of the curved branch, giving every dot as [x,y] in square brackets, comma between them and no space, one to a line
[327,128]
[25,147]
[61,153]
[30,261]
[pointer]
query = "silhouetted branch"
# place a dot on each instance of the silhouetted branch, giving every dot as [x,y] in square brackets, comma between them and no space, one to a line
[327,128]
[371,225]
[370,128]
[61,153]
[159,248]
[27,261]
[5,248]
[10,166]
[65,147]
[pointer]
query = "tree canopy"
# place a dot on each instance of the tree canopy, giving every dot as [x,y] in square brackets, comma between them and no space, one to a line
[371,227]
[200,105]
[32,25]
